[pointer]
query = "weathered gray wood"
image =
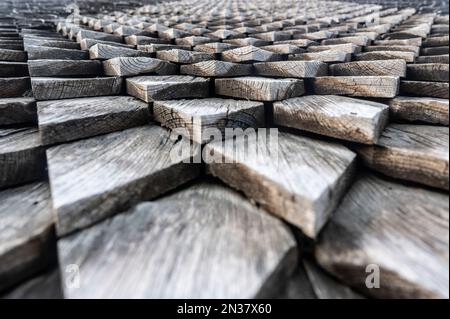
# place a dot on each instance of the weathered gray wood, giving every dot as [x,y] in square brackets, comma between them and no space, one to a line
[14,86]
[336,116]
[273,36]
[193,40]
[40,52]
[13,55]
[401,229]
[25,232]
[370,68]
[44,286]
[283,48]
[86,44]
[22,159]
[428,72]
[50,43]
[17,110]
[249,54]
[208,113]
[422,109]
[356,40]
[125,31]
[422,88]
[73,119]
[215,47]
[259,88]
[129,66]
[386,55]
[142,40]
[249,41]
[436,41]
[402,48]
[214,68]
[13,69]
[366,86]
[346,47]
[167,87]
[421,30]
[297,178]
[293,69]
[193,245]
[417,153]
[105,52]
[323,56]
[303,43]
[172,33]
[61,68]
[95,178]
[155,47]
[435,50]
[88,34]
[433,59]
[184,56]
[45,88]
[412,41]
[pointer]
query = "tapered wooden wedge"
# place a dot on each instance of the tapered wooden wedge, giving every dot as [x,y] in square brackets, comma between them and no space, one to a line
[421,109]
[428,72]
[198,116]
[396,232]
[423,88]
[13,55]
[17,110]
[57,68]
[14,86]
[292,69]
[40,52]
[215,47]
[417,153]
[296,178]
[184,56]
[129,66]
[249,54]
[433,59]
[335,116]
[215,235]
[25,232]
[95,178]
[331,56]
[73,119]
[370,68]
[260,88]
[105,52]
[386,55]
[167,87]
[45,88]
[214,68]
[22,158]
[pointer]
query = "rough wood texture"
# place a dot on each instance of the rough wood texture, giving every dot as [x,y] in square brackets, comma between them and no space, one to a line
[422,88]
[73,119]
[280,179]
[436,41]
[293,69]
[422,109]
[86,44]
[386,55]
[172,238]
[370,68]
[88,34]
[347,48]
[105,52]
[417,153]
[14,86]
[366,86]
[259,88]
[61,68]
[356,40]
[22,159]
[184,56]
[331,56]
[401,48]
[25,232]
[95,178]
[142,40]
[209,113]
[216,47]
[129,66]
[336,116]
[17,110]
[13,69]
[428,72]
[249,54]
[402,229]
[45,286]
[433,59]
[215,68]
[167,87]
[39,53]
[13,55]
[45,88]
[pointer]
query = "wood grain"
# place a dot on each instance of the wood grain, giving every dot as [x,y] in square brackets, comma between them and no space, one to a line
[331,56]
[214,68]
[370,68]
[40,53]
[22,158]
[335,116]
[365,86]
[61,68]
[292,69]
[184,56]
[172,238]
[422,109]
[386,55]
[167,87]
[105,52]
[14,86]
[73,119]
[129,66]
[17,110]
[95,178]
[301,181]
[423,88]
[402,229]
[417,153]
[249,54]
[13,55]
[25,232]
[45,88]
[259,88]
[433,59]
[428,72]
[13,69]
